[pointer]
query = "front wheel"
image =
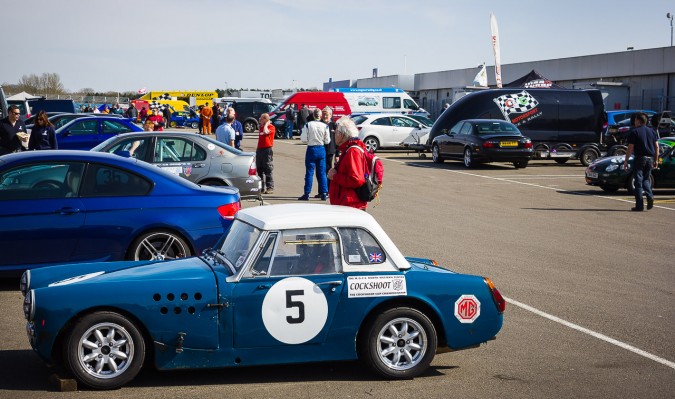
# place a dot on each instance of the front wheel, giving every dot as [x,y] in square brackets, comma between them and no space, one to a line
[104,350]
[436,154]
[173,124]
[400,343]
[372,144]
[158,245]
[630,183]
[194,125]
[468,158]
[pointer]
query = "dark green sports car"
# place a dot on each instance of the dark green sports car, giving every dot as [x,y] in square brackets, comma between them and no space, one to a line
[609,175]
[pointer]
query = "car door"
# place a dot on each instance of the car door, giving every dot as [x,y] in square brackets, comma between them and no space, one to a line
[447,145]
[664,176]
[402,127]
[379,128]
[41,216]
[460,140]
[291,291]
[181,156]
[140,147]
[80,135]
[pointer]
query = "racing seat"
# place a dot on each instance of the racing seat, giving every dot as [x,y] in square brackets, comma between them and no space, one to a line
[73,180]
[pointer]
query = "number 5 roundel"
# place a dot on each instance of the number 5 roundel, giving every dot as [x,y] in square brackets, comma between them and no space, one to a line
[294,310]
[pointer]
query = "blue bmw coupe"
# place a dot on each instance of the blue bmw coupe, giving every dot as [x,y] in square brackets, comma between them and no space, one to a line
[80,206]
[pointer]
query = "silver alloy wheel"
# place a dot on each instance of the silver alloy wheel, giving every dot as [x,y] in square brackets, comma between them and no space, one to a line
[372,144]
[106,350]
[434,153]
[160,246]
[467,158]
[402,343]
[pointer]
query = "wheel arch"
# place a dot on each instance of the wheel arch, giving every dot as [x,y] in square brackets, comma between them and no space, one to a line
[215,179]
[59,342]
[410,302]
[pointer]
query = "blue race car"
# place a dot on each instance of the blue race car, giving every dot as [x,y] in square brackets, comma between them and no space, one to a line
[86,133]
[287,284]
[80,206]
[185,119]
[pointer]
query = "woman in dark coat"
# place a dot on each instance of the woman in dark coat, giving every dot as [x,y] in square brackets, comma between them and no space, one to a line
[43,135]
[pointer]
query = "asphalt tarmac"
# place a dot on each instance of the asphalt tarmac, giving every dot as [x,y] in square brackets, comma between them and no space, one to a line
[591,309]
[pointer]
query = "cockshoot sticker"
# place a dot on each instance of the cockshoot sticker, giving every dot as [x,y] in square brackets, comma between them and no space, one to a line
[522,103]
[371,286]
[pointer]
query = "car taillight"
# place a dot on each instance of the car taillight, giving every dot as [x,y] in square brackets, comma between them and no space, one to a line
[252,170]
[228,211]
[496,296]
[490,144]
[527,144]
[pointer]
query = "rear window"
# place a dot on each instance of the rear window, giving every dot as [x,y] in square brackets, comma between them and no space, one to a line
[496,127]
[359,119]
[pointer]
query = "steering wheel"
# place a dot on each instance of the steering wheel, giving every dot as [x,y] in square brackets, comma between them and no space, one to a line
[49,185]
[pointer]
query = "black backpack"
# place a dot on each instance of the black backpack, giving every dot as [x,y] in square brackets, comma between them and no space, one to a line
[374,176]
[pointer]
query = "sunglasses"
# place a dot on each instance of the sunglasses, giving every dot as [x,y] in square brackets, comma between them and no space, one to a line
[16,113]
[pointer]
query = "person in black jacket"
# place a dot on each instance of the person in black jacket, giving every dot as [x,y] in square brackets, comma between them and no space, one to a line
[12,131]
[43,135]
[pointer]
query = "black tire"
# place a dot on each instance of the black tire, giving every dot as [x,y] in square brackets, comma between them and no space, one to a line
[372,143]
[609,189]
[83,361]
[411,353]
[159,245]
[617,150]
[630,183]
[468,158]
[436,154]
[561,161]
[588,156]
[194,125]
[250,126]
[521,164]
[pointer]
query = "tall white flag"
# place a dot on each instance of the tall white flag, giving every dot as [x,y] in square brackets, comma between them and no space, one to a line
[495,48]
[481,77]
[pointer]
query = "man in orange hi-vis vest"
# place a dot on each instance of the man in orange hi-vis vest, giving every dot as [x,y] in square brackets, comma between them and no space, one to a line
[207,113]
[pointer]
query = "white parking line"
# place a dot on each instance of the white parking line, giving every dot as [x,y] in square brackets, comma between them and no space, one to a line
[528,184]
[603,337]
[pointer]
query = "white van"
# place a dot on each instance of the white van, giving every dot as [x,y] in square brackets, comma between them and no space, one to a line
[378,100]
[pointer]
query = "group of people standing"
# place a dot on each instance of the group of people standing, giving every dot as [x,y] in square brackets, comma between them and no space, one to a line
[14,136]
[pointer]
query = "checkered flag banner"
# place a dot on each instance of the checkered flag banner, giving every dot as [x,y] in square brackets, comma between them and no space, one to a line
[164,96]
[154,105]
[517,103]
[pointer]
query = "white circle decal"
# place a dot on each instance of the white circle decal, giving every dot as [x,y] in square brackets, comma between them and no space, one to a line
[294,310]
[211,146]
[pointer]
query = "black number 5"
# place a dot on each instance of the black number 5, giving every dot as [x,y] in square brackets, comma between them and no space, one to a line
[290,303]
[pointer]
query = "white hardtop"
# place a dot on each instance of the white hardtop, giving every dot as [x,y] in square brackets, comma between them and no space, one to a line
[295,216]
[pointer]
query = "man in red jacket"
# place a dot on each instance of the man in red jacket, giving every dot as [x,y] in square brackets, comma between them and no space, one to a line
[349,171]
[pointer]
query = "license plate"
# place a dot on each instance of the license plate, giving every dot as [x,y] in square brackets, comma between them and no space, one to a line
[508,144]
[592,175]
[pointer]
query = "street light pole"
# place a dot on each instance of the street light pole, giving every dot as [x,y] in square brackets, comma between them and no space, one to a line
[670,17]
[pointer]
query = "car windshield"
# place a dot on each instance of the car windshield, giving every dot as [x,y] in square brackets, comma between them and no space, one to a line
[423,120]
[496,128]
[238,243]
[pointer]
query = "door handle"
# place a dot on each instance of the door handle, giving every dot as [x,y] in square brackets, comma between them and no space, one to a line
[198,165]
[334,284]
[68,211]
[264,286]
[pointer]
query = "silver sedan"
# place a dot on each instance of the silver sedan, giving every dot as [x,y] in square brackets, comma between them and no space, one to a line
[199,159]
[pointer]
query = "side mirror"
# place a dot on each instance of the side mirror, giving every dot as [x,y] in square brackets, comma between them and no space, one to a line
[420,126]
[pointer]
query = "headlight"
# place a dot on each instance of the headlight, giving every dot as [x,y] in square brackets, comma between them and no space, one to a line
[24,283]
[29,305]
[612,167]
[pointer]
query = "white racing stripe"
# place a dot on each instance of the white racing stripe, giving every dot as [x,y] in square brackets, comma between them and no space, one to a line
[527,184]
[597,335]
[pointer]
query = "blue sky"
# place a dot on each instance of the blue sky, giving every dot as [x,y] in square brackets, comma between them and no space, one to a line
[268,44]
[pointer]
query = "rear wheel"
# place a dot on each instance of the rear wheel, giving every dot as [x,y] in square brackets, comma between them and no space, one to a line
[436,154]
[250,126]
[372,144]
[630,183]
[104,350]
[399,343]
[158,245]
[520,164]
[173,124]
[588,156]
[468,158]
[194,125]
